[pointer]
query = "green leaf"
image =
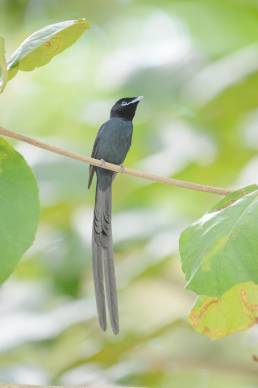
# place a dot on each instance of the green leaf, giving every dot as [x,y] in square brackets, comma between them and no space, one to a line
[220,250]
[236,311]
[3,69]
[19,208]
[40,47]
[233,197]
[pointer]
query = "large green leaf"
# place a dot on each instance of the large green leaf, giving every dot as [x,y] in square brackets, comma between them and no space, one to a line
[220,250]
[237,310]
[3,69]
[19,208]
[40,47]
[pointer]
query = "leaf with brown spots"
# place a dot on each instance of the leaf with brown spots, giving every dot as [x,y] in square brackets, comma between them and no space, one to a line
[40,47]
[236,311]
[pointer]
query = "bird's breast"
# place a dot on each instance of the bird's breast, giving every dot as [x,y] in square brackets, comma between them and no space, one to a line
[116,141]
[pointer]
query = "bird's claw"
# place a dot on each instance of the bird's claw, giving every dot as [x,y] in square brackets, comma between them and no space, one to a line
[102,163]
[122,169]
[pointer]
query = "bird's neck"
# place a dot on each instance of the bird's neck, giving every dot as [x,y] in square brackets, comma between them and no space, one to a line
[124,118]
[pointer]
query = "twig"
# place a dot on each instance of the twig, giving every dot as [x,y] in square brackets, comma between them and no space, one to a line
[55,386]
[114,167]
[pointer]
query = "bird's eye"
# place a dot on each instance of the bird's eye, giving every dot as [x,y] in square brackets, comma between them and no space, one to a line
[124,103]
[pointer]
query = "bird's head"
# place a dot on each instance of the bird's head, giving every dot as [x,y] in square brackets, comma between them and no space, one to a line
[125,107]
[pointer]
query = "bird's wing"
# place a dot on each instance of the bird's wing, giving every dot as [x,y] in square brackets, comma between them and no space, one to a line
[93,155]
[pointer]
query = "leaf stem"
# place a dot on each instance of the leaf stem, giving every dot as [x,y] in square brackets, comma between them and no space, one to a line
[114,167]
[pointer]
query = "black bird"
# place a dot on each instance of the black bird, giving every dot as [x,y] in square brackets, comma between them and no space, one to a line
[111,145]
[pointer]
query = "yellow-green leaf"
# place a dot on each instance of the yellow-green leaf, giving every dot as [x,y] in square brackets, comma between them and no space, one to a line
[40,47]
[236,311]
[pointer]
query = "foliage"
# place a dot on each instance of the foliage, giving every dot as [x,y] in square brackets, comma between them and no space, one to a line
[40,47]
[219,254]
[196,64]
[19,208]
[237,310]
[220,250]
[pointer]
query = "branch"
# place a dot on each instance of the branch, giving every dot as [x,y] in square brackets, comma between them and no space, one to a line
[115,167]
[55,386]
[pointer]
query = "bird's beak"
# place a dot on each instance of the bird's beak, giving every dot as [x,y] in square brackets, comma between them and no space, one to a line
[137,99]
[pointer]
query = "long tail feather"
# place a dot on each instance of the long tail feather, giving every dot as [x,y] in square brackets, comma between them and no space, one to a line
[103,255]
[99,284]
[111,292]
[97,256]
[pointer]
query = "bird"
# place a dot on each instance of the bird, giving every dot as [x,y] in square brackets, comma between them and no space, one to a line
[111,145]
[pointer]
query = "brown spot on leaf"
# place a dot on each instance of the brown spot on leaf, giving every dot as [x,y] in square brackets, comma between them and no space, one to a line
[47,44]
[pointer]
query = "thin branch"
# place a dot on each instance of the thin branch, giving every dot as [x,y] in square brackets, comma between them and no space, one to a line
[55,386]
[114,167]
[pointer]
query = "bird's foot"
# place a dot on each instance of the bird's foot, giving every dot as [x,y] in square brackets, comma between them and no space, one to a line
[122,168]
[102,163]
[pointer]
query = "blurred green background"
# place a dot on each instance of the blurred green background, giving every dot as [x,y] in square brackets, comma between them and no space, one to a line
[196,63]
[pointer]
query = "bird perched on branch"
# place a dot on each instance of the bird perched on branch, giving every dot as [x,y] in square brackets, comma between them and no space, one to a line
[111,145]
